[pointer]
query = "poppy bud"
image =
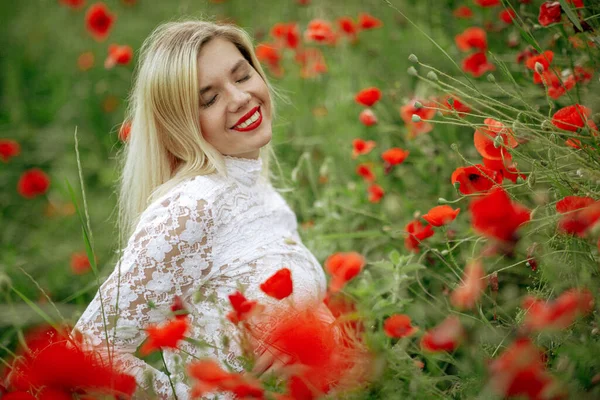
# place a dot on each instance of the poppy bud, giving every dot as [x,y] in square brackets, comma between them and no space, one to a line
[432,75]
[450,101]
[413,58]
[491,78]
[418,105]
[442,200]
[498,141]
[539,68]
[416,118]
[412,71]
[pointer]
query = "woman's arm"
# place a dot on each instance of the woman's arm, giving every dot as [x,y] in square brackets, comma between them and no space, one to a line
[169,254]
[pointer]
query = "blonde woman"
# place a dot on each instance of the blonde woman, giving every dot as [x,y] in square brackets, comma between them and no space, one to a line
[195,199]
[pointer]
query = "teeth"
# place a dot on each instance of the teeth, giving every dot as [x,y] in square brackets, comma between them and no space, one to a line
[249,121]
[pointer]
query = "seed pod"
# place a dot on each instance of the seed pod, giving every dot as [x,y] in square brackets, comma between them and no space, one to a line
[432,75]
[413,58]
[412,71]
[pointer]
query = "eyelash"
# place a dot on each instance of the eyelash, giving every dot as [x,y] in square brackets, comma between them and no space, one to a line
[212,101]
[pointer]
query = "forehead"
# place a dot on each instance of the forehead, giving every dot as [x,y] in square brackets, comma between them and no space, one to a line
[216,58]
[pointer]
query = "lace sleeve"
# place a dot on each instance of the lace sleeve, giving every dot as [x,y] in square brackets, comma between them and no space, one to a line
[169,254]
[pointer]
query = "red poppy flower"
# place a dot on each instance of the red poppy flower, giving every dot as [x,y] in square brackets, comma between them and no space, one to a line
[269,55]
[367,117]
[470,290]
[544,60]
[348,26]
[99,20]
[124,131]
[399,326]
[425,112]
[33,182]
[477,64]
[571,118]
[484,139]
[85,61]
[580,214]
[520,372]
[487,3]
[505,168]
[463,12]
[320,31]
[312,62]
[417,232]
[360,147]
[557,86]
[376,193]
[343,267]
[550,13]
[178,308]
[557,314]
[393,156]
[279,285]
[121,55]
[8,149]
[368,97]
[367,21]
[57,366]
[365,171]
[167,335]
[75,4]
[495,216]
[453,103]
[576,3]
[526,54]
[243,309]
[210,377]
[444,337]
[583,74]
[441,215]
[80,264]
[507,16]
[471,38]
[288,35]
[475,179]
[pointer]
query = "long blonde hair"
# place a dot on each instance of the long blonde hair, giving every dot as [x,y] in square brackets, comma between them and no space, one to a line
[166,145]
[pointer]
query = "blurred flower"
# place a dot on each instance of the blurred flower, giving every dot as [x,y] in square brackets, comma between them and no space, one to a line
[477,64]
[470,290]
[576,3]
[416,233]
[520,372]
[210,377]
[75,4]
[368,97]
[392,157]
[454,103]
[178,308]
[124,131]
[550,13]
[399,326]
[495,216]
[367,21]
[583,74]
[376,193]
[343,267]
[544,60]
[505,168]
[287,35]
[269,54]
[33,182]
[471,38]
[348,26]
[279,285]
[475,179]
[312,62]
[243,309]
[364,170]
[361,147]
[441,215]
[110,103]
[80,264]
[526,54]
[463,12]
[580,214]
[117,54]
[571,118]
[320,31]
[557,86]
[444,337]
[507,15]
[9,148]
[85,61]
[367,117]
[425,111]
[557,314]
[487,3]
[167,335]
[485,140]
[99,21]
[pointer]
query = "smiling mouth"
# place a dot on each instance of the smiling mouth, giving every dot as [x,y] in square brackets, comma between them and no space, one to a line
[250,121]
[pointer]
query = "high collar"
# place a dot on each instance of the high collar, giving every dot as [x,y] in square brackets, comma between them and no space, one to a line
[244,170]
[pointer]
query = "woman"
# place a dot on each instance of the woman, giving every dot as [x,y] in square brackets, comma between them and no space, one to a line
[195,199]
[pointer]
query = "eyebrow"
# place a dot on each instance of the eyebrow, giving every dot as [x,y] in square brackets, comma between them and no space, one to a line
[237,66]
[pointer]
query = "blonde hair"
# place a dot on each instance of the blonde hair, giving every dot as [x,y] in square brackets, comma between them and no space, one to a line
[166,145]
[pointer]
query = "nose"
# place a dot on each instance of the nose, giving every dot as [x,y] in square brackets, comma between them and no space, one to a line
[239,99]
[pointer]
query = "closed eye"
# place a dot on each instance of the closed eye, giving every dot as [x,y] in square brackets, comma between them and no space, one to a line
[212,101]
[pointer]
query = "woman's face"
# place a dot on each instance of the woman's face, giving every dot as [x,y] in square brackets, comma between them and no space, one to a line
[235,106]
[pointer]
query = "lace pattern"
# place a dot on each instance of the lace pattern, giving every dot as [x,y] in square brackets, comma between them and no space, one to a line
[206,238]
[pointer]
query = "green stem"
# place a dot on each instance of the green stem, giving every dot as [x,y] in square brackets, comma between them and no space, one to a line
[162,356]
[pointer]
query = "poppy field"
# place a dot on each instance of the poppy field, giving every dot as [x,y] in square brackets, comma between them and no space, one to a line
[444,168]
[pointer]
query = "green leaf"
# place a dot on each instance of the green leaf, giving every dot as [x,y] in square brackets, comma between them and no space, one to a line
[570,14]
[406,269]
[395,257]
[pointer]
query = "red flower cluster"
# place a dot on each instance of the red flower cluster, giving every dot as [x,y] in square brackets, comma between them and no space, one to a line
[8,149]
[118,55]
[485,140]
[211,377]
[580,214]
[243,309]
[470,290]
[444,337]
[416,234]
[425,112]
[477,64]
[167,335]
[54,366]
[99,20]
[557,314]
[343,267]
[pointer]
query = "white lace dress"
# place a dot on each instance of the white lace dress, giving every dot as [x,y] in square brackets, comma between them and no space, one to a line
[206,238]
